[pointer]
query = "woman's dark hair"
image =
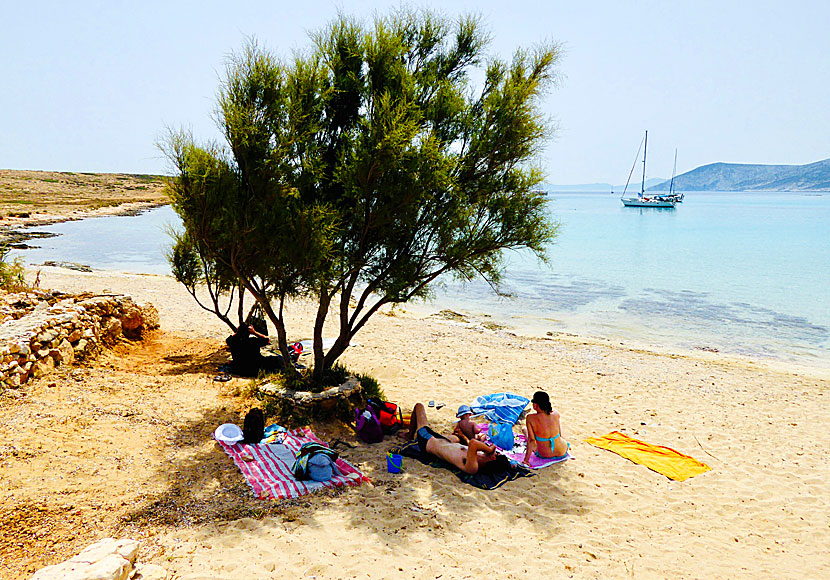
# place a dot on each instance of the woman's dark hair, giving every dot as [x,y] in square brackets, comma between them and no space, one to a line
[541,398]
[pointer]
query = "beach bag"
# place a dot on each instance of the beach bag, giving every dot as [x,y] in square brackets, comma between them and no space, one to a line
[389,414]
[321,467]
[501,435]
[253,429]
[367,426]
[315,462]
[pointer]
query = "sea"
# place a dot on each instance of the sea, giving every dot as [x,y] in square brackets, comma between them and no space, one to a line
[736,273]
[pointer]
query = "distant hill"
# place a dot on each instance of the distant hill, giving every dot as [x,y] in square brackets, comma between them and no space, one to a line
[744,177]
[603,187]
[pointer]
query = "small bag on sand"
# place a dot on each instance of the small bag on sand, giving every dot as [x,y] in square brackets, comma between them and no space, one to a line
[367,425]
[389,414]
[501,435]
[253,429]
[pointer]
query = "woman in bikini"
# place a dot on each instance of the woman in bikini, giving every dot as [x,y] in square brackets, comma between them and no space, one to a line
[544,433]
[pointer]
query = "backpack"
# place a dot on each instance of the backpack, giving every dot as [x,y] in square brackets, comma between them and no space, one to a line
[253,429]
[316,462]
[367,426]
[389,414]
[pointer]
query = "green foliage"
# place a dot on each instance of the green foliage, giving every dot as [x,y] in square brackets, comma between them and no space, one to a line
[271,407]
[371,387]
[12,273]
[301,381]
[336,375]
[361,170]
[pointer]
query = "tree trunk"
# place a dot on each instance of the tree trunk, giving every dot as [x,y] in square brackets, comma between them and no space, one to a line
[317,346]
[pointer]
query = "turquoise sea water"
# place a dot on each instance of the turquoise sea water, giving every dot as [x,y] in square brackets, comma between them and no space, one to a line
[135,244]
[745,273]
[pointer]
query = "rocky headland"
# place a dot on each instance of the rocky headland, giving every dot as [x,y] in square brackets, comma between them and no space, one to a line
[36,198]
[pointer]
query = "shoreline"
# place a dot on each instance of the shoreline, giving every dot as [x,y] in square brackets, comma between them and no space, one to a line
[738,334]
[483,322]
[30,198]
[13,234]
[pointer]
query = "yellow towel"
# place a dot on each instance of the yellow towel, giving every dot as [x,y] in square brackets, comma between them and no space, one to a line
[665,460]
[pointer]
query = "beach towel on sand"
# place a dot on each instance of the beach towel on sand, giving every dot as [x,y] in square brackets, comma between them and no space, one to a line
[500,407]
[536,462]
[480,480]
[269,473]
[664,460]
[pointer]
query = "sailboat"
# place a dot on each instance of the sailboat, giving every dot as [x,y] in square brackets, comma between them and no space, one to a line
[643,200]
[672,195]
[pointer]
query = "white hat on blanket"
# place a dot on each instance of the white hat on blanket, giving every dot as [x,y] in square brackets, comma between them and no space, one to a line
[228,433]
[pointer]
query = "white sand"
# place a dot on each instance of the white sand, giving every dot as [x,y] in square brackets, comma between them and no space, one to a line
[763,511]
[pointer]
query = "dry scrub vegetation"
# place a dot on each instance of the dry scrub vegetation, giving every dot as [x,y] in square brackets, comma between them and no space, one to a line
[27,195]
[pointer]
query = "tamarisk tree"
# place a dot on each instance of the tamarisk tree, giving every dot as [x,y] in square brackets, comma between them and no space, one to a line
[358,172]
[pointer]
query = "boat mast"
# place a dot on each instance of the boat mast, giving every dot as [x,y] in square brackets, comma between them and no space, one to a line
[673,171]
[643,186]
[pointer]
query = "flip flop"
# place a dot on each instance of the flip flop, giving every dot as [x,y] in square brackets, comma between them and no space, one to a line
[222,378]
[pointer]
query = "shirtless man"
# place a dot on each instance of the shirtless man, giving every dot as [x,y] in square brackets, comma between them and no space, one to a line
[467,458]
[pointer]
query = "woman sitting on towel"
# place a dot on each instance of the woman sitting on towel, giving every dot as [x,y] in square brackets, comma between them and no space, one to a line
[544,433]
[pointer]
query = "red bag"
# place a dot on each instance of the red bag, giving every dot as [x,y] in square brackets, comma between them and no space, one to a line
[389,414]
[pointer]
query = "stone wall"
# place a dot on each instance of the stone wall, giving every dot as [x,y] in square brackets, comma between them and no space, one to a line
[40,331]
[291,407]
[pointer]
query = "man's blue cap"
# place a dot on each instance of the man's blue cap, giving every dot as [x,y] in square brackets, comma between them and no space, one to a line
[463,410]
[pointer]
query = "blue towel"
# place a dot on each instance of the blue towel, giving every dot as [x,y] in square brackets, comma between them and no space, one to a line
[500,407]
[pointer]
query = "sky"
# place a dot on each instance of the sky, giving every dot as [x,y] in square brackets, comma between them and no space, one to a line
[91,86]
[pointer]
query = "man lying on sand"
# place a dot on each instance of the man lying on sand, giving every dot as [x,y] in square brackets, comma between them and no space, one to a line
[468,459]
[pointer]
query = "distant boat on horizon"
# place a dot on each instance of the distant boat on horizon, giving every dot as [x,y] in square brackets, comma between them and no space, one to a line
[642,200]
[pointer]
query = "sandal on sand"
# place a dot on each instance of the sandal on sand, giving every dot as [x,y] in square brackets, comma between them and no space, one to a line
[222,378]
[337,442]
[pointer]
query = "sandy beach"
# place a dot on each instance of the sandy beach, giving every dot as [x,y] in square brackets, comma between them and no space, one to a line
[122,447]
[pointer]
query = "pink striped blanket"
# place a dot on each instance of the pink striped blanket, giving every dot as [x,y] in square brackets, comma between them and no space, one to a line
[269,473]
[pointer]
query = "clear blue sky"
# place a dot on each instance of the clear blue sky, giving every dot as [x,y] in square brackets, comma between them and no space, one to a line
[90,86]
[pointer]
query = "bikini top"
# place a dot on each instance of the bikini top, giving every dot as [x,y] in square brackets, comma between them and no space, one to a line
[549,439]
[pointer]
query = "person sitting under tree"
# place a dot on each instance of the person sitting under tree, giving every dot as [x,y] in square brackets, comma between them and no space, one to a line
[247,360]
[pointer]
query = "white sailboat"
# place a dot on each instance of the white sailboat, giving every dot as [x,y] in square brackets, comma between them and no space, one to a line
[672,195]
[643,200]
